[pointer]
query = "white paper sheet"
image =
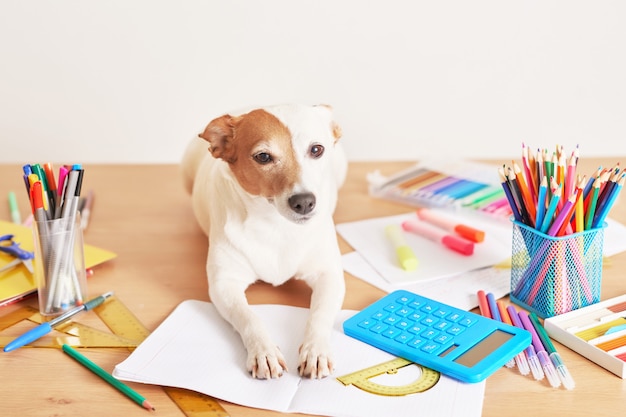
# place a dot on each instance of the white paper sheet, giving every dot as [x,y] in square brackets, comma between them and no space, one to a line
[195,348]
[457,290]
[434,260]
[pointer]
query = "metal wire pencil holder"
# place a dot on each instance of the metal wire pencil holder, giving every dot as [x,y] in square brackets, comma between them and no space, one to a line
[554,275]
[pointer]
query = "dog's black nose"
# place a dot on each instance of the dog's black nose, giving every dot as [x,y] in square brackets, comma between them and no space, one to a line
[302,203]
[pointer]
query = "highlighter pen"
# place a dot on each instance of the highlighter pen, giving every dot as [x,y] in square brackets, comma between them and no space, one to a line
[407,258]
[462,230]
[531,355]
[544,359]
[452,242]
[561,369]
[45,328]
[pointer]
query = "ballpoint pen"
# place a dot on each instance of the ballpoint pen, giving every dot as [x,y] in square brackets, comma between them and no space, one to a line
[546,363]
[561,369]
[531,355]
[45,328]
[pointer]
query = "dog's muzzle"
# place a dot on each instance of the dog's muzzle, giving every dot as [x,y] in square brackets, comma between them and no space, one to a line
[302,203]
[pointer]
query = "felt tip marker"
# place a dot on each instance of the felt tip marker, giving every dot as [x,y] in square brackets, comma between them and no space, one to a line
[467,232]
[435,234]
[405,254]
[546,363]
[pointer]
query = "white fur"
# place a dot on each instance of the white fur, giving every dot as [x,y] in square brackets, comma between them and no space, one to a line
[257,238]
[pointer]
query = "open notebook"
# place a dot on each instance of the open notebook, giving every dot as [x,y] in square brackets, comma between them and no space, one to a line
[194,348]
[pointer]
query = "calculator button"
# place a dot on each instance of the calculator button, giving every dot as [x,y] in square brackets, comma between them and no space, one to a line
[392,308]
[417,342]
[381,315]
[415,329]
[404,311]
[366,324]
[440,312]
[442,325]
[428,308]
[378,328]
[429,321]
[391,320]
[454,317]
[430,347]
[429,333]
[455,330]
[416,316]
[403,324]
[416,304]
[404,299]
[403,338]
[467,321]
[391,332]
[443,338]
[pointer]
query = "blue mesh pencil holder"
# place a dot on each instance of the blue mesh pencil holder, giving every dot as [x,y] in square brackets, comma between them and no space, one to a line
[554,275]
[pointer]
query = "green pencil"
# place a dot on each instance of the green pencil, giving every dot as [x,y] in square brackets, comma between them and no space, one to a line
[125,389]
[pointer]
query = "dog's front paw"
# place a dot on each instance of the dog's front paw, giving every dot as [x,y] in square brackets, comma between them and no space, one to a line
[266,363]
[315,361]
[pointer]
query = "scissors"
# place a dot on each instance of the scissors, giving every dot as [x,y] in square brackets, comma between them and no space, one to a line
[7,245]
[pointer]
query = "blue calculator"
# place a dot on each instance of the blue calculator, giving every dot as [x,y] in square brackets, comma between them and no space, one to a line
[455,342]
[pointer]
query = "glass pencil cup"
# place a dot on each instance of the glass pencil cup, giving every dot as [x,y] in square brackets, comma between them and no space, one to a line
[554,275]
[59,265]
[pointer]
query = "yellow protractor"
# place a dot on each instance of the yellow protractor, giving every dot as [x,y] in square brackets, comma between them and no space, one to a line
[362,379]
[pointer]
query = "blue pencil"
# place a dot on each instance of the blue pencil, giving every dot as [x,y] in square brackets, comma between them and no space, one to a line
[554,201]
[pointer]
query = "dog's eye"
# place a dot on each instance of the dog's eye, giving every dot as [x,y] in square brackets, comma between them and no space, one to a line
[316,151]
[263,158]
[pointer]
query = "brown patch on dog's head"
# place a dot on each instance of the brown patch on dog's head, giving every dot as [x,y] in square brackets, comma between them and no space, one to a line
[334,127]
[258,148]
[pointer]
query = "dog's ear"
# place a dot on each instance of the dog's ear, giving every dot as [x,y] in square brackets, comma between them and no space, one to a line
[334,127]
[219,133]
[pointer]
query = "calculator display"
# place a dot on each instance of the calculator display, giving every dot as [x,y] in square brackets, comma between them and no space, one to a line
[483,348]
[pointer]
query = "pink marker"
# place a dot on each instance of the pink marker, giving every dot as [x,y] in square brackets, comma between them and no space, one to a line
[463,230]
[455,243]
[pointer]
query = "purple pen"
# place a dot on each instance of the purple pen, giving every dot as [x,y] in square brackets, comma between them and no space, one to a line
[546,363]
[531,355]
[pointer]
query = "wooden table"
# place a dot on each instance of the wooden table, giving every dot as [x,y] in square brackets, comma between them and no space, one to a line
[142,213]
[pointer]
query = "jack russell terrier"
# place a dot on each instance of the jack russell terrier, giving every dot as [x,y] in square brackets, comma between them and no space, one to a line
[264,193]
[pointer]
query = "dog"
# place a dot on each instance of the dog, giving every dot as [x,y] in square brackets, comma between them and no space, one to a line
[264,193]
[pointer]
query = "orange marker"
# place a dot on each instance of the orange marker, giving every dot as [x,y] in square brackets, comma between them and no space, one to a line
[469,233]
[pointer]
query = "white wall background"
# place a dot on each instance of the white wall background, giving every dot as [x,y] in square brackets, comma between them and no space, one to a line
[132,80]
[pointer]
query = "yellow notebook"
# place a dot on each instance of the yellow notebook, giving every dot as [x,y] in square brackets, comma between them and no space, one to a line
[17,282]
